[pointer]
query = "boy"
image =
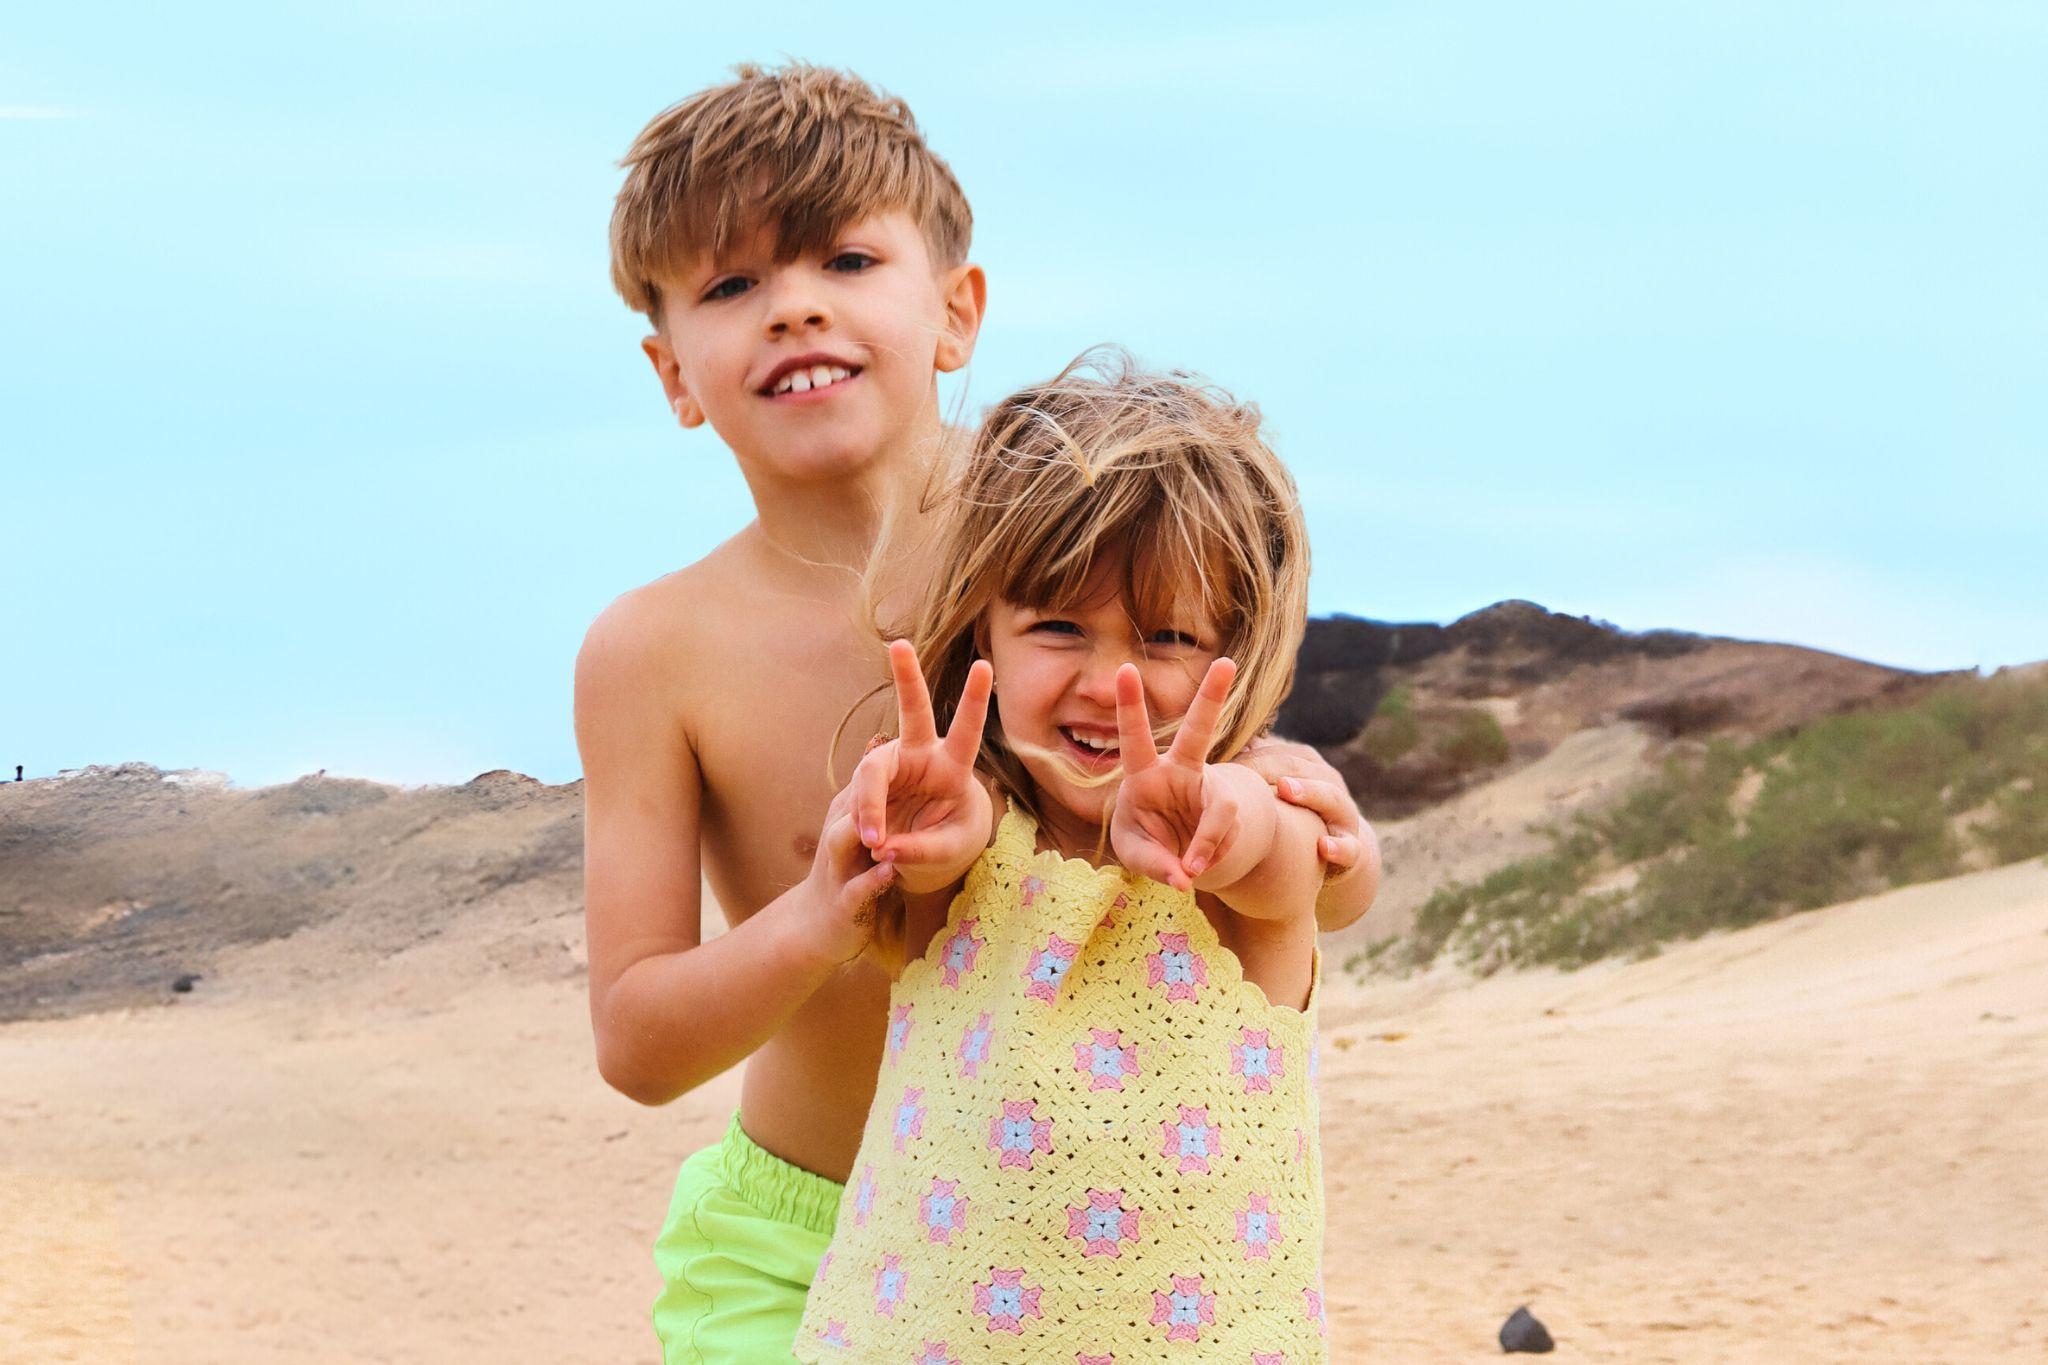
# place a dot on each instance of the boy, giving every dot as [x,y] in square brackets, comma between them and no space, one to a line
[802,256]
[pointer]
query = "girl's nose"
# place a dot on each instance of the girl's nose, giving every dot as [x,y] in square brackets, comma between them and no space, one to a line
[1097,682]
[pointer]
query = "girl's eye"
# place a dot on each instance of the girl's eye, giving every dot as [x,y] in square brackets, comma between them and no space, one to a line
[729,288]
[1173,637]
[1058,627]
[850,262]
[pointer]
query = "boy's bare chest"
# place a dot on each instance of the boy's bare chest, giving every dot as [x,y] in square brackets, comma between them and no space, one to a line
[764,740]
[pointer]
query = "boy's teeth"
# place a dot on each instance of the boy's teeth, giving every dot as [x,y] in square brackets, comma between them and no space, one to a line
[816,377]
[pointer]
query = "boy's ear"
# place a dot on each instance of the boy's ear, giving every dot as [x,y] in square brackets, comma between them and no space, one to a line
[663,357]
[965,290]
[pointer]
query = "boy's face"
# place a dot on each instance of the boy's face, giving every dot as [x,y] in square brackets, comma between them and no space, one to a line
[811,368]
[1055,675]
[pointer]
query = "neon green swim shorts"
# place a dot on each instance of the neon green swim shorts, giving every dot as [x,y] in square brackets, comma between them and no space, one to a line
[737,1252]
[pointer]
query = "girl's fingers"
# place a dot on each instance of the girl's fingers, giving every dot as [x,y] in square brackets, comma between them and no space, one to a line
[924,847]
[1327,799]
[1218,819]
[1155,862]
[1133,723]
[870,788]
[963,736]
[1198,727]
[913,702]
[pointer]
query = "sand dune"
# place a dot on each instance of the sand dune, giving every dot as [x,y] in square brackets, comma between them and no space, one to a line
[1815,1140]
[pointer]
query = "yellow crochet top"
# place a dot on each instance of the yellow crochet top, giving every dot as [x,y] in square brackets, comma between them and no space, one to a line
[1092,1141]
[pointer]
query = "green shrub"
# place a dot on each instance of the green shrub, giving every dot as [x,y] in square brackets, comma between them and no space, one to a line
[1475,740]
[1847,806]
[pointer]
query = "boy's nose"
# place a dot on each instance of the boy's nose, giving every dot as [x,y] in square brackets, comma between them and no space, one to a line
[792,306]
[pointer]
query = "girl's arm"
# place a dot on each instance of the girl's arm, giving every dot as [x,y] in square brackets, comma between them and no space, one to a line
[1215,827]
[1269,866]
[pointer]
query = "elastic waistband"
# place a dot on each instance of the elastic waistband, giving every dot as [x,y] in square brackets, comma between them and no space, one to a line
[781,1191]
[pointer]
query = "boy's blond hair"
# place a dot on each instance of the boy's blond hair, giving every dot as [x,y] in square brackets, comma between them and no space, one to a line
[1107,463]
[802,150]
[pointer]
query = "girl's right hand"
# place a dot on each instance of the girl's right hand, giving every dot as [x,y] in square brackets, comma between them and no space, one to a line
[917,802]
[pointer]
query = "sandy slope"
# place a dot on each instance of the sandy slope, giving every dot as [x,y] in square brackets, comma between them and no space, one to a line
[1814,1140]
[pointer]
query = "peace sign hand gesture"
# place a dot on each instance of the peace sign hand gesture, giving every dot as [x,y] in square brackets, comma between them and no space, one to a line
[916,799]
[1177,815]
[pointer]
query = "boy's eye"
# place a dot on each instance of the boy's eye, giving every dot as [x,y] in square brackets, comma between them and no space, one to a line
[850,262]
[730,287]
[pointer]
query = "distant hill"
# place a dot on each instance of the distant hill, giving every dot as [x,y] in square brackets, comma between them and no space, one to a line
[117,881]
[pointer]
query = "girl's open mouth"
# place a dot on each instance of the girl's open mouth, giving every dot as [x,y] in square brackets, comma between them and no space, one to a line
[1089,750]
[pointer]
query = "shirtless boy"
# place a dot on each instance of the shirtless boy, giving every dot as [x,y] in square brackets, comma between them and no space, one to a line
[802,256]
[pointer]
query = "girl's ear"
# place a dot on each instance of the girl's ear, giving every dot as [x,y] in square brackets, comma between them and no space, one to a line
[965,290]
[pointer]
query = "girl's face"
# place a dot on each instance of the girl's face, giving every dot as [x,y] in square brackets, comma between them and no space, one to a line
[1056,691]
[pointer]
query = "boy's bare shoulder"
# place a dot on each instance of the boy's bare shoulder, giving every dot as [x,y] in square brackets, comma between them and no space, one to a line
[647,637]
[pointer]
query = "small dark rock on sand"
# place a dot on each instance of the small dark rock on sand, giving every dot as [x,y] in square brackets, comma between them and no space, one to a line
[1521,1332]
[184,984]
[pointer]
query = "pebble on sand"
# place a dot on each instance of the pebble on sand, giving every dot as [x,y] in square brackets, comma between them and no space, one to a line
[1522,1332]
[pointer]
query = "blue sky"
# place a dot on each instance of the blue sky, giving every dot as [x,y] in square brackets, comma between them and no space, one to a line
[322,437]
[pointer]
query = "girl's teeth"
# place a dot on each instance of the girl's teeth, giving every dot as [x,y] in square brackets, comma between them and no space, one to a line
[800,381]
[821,375]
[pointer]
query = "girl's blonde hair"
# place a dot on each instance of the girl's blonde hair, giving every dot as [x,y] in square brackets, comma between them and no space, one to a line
[1165,475]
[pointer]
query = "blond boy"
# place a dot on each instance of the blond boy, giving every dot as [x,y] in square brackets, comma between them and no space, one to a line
[802,256]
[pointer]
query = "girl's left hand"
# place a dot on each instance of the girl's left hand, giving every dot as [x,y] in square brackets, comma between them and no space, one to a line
[1176,814]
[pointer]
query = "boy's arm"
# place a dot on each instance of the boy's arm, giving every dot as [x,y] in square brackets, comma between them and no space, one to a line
[668,1011]
[1349,848]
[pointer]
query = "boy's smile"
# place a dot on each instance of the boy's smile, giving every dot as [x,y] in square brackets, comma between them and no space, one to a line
[812,368]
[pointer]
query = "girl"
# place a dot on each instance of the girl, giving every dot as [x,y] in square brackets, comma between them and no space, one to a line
[1094,1135]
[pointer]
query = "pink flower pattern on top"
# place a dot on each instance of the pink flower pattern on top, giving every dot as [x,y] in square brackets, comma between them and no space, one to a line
[1106,1059]
[1191,1139]
[899,1030]
[956,959]
[1183,1311]
[1258,1228]
[1103,1224]
[910,1112]
[974,1045]
[1177,968]
[1005,1301]
[1048,967]
[889,1285]
[1257,1060]
[1019,1134]
[944,1211]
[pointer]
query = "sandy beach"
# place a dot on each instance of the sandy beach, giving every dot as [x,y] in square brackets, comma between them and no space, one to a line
[1814,1140]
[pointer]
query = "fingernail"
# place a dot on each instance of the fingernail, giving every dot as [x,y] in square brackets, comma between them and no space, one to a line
[1197,866]
[888,872]
[1291,787]
[870,836]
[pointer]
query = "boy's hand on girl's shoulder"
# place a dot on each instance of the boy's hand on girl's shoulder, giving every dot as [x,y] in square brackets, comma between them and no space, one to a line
[1180,819]
[1304,778]
[916,799]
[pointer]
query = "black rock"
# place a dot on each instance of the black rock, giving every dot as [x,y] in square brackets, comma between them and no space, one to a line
[183,985]
[1521,1332]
